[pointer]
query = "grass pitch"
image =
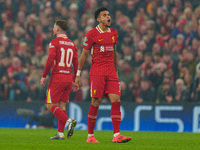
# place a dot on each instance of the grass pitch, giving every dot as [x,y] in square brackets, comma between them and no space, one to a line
[39,139]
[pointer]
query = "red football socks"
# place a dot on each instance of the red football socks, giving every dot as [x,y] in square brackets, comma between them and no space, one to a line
[116,116]
[61,124]
[58,112]
[92,115]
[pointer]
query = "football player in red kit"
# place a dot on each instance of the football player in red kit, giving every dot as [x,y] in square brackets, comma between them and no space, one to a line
[101,42]
[62,54]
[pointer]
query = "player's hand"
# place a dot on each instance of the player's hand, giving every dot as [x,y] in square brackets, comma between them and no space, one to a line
[78,81]
[42,82]
[75,87]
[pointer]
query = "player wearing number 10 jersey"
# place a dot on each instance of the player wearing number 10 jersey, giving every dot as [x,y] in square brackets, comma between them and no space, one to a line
[62,54]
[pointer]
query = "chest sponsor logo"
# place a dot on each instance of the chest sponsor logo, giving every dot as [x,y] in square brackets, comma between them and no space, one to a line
[106,48]
[102,49]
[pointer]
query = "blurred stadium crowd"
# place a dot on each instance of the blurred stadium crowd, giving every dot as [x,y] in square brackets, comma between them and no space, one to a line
[158,47]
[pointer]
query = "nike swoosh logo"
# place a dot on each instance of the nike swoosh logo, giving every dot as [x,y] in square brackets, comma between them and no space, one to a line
[100,39]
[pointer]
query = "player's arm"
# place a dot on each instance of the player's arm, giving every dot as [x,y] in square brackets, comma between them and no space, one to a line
[115,51]
[115,58]
[75,63]
[49,63]
[75,66]
[83,58]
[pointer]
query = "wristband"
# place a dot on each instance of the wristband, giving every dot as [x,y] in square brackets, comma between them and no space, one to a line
[78,73]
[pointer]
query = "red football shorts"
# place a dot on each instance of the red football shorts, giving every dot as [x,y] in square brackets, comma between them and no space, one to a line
[102,85]
[58,91]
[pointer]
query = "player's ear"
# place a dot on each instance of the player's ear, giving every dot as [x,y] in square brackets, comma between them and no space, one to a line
[98,19]
[57,28]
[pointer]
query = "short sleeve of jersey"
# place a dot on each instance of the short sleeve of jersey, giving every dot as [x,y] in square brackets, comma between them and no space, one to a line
[88,41]
[51,57]
[52,47]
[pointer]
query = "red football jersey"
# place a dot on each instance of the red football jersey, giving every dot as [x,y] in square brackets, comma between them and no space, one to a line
[62,53]
[101,44]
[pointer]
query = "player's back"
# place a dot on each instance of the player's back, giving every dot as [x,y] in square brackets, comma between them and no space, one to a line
[65,51]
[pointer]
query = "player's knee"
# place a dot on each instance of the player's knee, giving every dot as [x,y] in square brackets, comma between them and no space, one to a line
[115,100]
[118,100]
[62,106]
[49,107]
[95,102]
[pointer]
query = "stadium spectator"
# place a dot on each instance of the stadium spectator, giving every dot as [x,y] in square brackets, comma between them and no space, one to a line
[147,93]
[125,71]
[191,63]
[182,93]
[146,66]
[128,54]
[189,84]
[34,93]
[165,93]
[138,60]
[44,119]
[134,86]
[196,87]
[15,67]
[16,93]
[4,88]
[4,64]
[126,94]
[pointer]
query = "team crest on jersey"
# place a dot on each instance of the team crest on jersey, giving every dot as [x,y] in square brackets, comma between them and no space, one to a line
[113,38]
[94,92]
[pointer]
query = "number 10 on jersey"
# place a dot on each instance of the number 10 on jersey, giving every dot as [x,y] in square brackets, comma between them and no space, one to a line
[68,54]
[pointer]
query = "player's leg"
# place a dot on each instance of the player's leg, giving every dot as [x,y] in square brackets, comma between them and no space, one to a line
[64,98]
[92,116]
[113,91]
[34,118]
[116,119]
[60,115]
[61,124]
[57,112]
[115,112]
[54,95]
[97,89]
[71,123]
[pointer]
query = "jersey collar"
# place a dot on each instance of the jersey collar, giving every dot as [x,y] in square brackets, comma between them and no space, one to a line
[101,31]
[62,35]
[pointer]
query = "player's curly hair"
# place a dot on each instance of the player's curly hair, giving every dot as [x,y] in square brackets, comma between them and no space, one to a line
[63,24]
[97,12]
